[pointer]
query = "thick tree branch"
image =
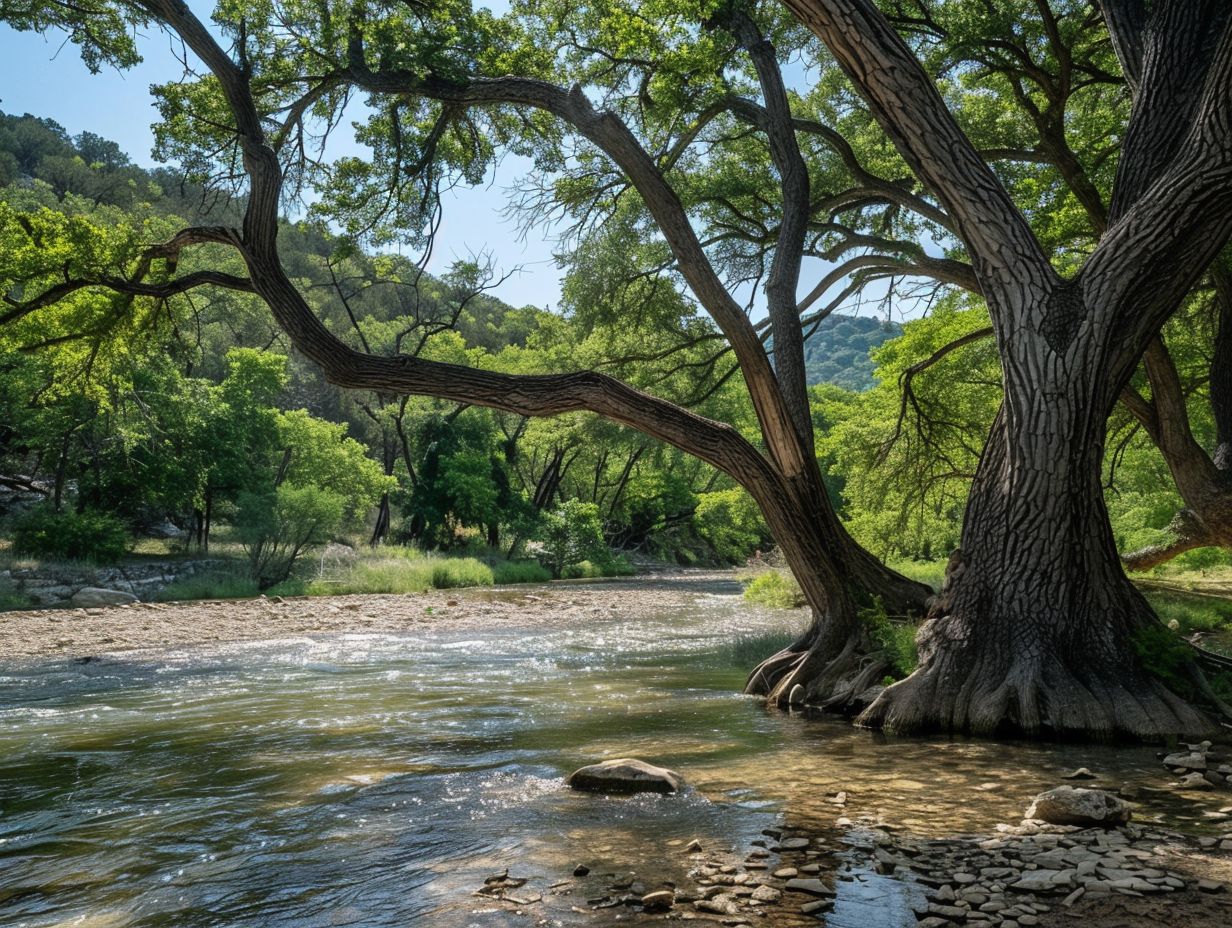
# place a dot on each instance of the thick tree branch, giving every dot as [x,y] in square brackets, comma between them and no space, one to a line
[906,104]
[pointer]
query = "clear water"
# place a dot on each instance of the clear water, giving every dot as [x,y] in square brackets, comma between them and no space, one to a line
[376,780]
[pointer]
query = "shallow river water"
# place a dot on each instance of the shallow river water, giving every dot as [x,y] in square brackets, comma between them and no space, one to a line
[375,780]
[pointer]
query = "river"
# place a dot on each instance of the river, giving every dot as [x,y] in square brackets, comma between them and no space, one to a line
[377,779]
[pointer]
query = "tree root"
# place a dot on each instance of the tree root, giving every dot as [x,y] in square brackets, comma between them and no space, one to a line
[808,677]
[1042,697]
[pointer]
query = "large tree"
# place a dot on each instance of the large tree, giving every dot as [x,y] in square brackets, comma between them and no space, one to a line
[1036,625]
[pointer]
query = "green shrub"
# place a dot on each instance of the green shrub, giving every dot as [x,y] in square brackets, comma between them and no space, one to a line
[277,528]
[730,522]
[214,585]
[520,572]
[571,534]
[930,572]
[1164,654]
[896,639]
[775,588]
[91,535]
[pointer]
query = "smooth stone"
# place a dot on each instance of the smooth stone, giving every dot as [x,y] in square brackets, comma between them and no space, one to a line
[793,844]
[1211,886]
[1194,781]
[625,775]
[766,894]
[786,873]
[817,905]
[1192,761]
[1068,805]
[813,887]
[1036,881]
[581,870]
[95,596]
[659,901]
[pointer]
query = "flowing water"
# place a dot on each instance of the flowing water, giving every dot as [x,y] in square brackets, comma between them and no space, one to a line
[375,780]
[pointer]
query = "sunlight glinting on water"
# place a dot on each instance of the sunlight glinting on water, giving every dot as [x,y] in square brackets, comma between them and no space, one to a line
[377,779]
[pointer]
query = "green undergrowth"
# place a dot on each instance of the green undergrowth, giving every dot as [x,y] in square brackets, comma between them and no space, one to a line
[895,638]
[212,585]
[929,572]
[385,570]
[774,588]
[615,566]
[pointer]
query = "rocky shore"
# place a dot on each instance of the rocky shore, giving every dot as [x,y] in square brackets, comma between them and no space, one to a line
[1031,874]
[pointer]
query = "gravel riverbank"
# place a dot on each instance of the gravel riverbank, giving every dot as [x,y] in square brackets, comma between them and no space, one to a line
[78,633]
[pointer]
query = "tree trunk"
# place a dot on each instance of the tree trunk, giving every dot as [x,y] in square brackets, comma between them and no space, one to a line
[1035,629]
[833,663]
[380,530]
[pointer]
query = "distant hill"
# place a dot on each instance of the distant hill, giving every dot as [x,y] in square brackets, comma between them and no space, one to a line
[837,352]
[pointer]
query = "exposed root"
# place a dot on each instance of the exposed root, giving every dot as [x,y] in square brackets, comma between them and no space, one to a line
[954,692]
[808,677]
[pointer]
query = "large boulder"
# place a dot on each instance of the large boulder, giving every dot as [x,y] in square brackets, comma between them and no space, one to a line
[625,775]
[1086,808]
[92,596]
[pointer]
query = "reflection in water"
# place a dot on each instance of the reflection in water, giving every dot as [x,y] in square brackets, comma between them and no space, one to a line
[376,780]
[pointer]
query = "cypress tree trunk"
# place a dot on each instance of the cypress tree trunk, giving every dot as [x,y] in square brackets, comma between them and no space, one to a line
[1037,630]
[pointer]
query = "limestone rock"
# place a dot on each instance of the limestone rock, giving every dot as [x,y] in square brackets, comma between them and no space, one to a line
[659,901]
[1193,761]
[93,596]
[1082,773]
[812,887]
[1194,781]
[625,775]
[1088,808]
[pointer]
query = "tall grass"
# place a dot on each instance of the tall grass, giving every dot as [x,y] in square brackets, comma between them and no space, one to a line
[212,585]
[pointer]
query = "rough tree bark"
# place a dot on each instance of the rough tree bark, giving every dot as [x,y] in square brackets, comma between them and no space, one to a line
[1035,629]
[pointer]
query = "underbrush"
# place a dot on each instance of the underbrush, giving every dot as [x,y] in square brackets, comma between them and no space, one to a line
[929,572]
[507,572]
[895,638]
[774,588]
[212,585]
[615,566]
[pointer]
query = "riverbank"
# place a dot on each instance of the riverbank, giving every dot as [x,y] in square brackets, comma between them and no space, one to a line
[76,633]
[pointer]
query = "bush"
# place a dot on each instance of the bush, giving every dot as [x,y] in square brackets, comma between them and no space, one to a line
[572,534]
[452,573]
[91,535]
[404,571]
[775,588]
[896,639]
[520,572]
[277,528]
[730,522]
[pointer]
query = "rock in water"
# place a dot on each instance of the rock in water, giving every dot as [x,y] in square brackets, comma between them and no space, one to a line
[92,596]
[1082,773]
[625,775]
[659,901]
[1087,808]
